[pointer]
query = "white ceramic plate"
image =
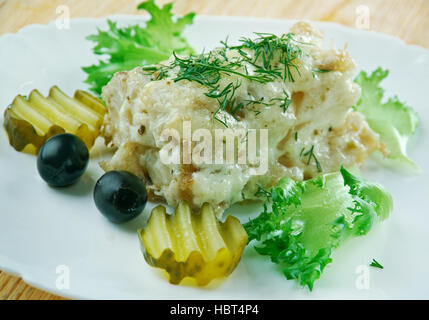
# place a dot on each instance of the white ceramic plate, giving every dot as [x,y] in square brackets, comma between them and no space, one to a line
[43,228]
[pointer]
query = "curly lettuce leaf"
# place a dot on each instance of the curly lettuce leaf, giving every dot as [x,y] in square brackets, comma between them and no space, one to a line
[129,47]
[393,120]
[309,219]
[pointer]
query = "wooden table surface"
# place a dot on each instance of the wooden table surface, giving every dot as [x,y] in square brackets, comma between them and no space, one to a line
[406,19]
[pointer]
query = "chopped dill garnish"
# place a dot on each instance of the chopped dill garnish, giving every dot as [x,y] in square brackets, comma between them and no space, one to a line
[246,137]
[285,101]
[208,68]
[256,102]
[321,70]
[296,135]
[376,264]
[314,71]
[225,99]
[267,47]
[261,192]
[310,154]
[243,197]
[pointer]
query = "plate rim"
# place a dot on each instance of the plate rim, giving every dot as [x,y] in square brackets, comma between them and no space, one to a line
[145,17]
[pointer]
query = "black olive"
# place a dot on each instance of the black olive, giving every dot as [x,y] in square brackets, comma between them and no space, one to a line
[120,195]
[62,160]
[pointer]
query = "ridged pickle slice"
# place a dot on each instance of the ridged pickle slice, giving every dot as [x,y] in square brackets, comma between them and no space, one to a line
[186,244]
[29,122]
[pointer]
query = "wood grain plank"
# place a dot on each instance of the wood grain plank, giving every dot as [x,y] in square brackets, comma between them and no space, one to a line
[18,291]
[27,292]
[405,19]
[8,286]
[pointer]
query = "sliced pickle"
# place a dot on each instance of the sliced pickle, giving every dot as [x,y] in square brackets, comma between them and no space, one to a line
[199,246]
[29,122]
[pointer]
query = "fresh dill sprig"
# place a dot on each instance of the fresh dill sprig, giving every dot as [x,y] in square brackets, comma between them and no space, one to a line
[243,197]
[261,192]
[285,101]
[225,99]
[321,70]
[208,68]
[268,47]
[246,137]
[310,154]
[314,71]
[257,102]
[376,264]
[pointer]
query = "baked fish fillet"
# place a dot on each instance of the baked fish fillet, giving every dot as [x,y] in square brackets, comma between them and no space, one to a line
[307,109]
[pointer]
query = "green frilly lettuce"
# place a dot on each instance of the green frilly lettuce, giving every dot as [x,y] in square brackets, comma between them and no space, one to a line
[393,120]
[309,219]
[123,49]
